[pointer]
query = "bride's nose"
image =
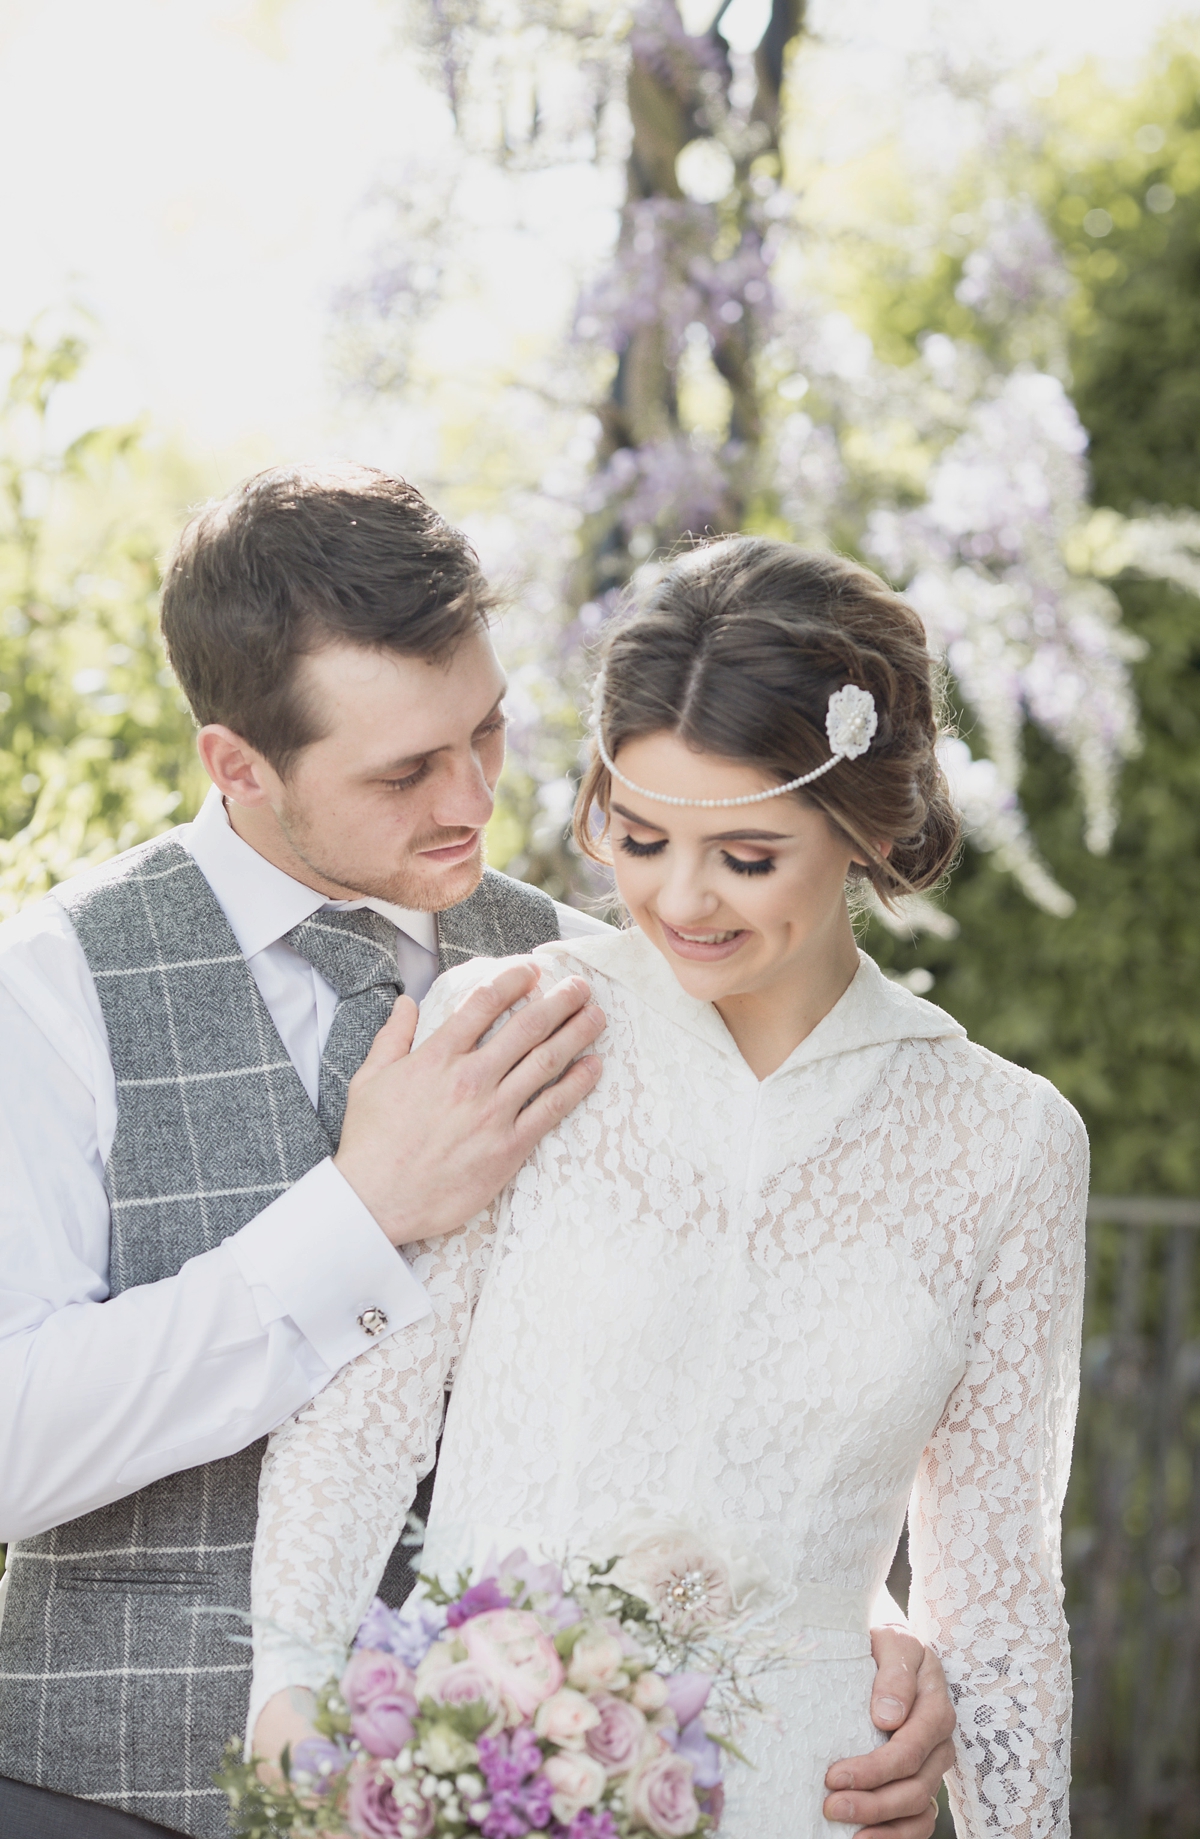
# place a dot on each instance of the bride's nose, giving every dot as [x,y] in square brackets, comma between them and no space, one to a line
[684,899]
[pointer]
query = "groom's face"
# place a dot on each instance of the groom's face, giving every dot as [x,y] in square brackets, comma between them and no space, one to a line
[393,799]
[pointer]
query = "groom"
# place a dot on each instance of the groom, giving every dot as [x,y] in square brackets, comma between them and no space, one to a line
[214,1139]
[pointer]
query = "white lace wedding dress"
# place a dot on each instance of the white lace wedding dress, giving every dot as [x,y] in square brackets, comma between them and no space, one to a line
[776,1308]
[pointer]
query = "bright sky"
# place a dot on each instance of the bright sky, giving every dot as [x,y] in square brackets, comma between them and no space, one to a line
[193,172]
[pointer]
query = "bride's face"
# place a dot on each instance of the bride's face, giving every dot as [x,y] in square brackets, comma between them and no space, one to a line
[738,901]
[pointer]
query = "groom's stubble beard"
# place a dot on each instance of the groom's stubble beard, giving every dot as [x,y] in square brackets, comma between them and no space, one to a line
[421,887]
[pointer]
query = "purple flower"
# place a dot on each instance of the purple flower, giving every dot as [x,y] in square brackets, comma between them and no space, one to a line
[319,1759]
[378,1689]
[687,1695]
[520,1797]
[704,1755]
[507,1762]
[408,1633]
[592,1823]
[477,1601]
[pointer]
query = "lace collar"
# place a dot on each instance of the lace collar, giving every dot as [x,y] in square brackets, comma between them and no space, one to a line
[872,1012]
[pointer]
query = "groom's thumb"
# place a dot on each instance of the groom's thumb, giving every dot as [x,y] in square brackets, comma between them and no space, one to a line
[394,1040]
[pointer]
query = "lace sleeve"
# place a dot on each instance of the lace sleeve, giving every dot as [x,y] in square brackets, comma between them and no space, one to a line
[984,1523]
[338,1478]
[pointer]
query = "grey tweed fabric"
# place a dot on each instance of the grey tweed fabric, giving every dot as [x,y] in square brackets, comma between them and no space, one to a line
[118,1682]
[355,952]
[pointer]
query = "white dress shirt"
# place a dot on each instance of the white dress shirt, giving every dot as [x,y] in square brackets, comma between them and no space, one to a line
[100,1396]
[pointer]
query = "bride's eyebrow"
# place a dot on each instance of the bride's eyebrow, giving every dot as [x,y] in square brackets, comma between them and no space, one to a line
[631,817]
[722,836]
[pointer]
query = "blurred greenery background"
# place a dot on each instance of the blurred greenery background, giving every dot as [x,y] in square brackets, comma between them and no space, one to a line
[849,275]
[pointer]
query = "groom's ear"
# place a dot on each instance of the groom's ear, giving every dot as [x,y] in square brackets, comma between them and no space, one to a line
[237,770]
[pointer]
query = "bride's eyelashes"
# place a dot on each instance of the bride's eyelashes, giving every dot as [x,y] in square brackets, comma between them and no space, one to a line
[761,865]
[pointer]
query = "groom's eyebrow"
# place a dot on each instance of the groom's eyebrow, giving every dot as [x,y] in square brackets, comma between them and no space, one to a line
[427,753]
[722,836]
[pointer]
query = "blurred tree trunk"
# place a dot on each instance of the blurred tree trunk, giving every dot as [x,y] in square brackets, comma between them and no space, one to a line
[683,89]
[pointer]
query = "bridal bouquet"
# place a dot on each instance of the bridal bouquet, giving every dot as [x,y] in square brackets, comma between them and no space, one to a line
[593,1701]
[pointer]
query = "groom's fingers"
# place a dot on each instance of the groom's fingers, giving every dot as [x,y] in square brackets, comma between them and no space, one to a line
[888,1793]
[900,1810]
[898,1660]
[429,1137]
[551,1106]
[394,1040]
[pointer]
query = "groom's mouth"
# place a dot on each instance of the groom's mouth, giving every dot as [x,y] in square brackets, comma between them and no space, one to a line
[704,947]
[447,854]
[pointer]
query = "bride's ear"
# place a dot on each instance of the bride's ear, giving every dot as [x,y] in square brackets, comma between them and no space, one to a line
[883,847]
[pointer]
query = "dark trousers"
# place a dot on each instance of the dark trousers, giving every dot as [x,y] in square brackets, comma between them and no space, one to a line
[35,1813]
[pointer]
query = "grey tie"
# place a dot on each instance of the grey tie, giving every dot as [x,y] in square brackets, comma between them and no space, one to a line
[355,952]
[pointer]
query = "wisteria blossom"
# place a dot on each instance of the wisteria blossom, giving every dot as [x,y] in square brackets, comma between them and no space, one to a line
[962,474]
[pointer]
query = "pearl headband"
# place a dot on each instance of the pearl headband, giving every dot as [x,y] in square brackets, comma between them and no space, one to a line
[850,723]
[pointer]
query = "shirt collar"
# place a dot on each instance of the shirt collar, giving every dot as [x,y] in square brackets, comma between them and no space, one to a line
[260,902]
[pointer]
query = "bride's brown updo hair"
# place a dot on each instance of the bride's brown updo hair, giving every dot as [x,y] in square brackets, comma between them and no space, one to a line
[737,649]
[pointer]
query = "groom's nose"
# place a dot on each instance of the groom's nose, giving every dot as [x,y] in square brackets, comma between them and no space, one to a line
[463,799]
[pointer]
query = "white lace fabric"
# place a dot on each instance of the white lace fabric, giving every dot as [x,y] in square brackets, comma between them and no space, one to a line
[779,1308]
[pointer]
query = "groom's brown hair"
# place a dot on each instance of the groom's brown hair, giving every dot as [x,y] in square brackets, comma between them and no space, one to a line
[298,558]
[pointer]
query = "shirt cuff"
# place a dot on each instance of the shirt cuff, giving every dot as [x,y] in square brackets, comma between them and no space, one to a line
[325,1261]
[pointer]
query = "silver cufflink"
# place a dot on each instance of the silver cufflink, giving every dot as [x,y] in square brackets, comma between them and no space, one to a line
[373,1321]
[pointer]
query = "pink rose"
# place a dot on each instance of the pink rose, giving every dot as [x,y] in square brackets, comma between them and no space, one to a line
[616,1740]
[596,1660]
[565,1718]
[649,1692]
[661,1796]
[464,1683]
[521,1661]
[381,1809]
[378,1690]
[577,1781]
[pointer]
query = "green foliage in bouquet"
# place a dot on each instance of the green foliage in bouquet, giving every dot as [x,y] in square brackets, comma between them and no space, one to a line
[96,745]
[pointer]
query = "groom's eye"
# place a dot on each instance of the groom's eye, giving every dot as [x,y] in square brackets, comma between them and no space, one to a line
[642,849]
[406,785]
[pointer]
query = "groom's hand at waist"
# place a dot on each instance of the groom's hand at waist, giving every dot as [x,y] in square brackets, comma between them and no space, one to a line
[889,1794]
[431,1136]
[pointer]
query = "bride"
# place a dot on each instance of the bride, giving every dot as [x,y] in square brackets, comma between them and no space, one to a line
[805,1258]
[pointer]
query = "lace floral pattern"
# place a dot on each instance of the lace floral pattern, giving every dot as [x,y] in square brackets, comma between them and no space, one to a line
[780,1307]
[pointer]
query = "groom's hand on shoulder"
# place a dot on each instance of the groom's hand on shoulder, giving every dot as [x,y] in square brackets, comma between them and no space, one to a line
[889,1794]
[431,1136]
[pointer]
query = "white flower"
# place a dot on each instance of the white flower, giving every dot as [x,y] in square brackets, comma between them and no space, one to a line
[596,1661]
[851,721]
[565,1718]
[649,1692]
[578,1781]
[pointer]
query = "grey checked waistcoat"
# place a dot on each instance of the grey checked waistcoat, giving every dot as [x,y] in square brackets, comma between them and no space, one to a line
[116,1685]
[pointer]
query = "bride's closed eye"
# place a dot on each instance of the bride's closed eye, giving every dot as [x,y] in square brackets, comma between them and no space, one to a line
[759,865]
[642,849]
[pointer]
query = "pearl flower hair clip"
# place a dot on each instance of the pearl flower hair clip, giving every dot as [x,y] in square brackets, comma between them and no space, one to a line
[850,723]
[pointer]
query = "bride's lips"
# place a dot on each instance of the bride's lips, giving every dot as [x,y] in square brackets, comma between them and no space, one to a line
[452,852]
[701,949]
